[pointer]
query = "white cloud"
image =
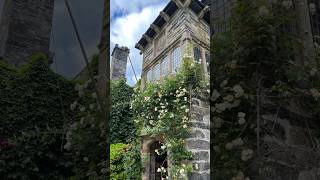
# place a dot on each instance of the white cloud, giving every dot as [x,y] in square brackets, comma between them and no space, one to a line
[127,30]
[126,7]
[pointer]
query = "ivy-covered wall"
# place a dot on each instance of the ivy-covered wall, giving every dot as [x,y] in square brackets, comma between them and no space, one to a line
[34,103]
[265,102]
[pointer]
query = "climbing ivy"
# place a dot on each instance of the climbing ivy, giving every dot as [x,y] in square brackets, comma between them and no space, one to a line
[31,122]
[117,154]
[122,129]
[255,61]
[86,133]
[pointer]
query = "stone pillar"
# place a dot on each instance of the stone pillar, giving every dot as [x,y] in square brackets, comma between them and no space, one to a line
[5,11]
[104,63]
[186,44]
[305,31]
[119,62]
[25,29]
[199,140]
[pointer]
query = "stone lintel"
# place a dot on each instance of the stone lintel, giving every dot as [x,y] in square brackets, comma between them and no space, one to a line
[155,28]
[147,38]
[165,16]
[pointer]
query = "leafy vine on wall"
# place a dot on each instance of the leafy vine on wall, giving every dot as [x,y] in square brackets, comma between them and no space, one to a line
[255,71]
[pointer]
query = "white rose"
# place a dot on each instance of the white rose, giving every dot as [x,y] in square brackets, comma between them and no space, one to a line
[238,90]
[246,154]
[228,98]
[241,115]
[86,159]
[315,93]
[241,121]
[228,146]
[215,95]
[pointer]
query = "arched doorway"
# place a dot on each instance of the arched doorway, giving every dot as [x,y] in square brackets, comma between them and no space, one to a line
[157,161]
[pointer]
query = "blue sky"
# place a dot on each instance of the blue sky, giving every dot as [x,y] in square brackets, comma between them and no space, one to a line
[129,20]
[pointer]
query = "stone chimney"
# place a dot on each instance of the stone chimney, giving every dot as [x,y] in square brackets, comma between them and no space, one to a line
[119,62]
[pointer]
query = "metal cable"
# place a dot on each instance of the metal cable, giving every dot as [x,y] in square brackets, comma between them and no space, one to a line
[99,100]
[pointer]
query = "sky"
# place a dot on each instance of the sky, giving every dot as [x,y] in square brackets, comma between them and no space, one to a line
[128,23]
[88,16]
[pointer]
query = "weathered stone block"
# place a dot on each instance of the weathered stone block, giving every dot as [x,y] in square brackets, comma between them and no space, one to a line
[199,176]
[197,144]
[201,155]
[200,125]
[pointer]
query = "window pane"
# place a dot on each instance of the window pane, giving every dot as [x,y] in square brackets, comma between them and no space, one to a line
[157,72]
[197,54]
[149,75]
[176,57]
[165,66]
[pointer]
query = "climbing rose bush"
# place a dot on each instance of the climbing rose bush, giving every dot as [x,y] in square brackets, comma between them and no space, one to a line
[163,108]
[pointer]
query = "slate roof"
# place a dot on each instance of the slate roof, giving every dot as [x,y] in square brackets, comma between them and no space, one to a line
[195,5]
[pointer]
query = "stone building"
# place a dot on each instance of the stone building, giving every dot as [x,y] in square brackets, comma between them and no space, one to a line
[25,29]
[119,62]
[181,25]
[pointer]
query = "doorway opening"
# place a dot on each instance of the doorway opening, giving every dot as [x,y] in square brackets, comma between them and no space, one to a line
[158,160]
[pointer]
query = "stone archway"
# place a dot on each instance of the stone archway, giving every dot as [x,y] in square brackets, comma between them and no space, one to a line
[157,161]
[151,161]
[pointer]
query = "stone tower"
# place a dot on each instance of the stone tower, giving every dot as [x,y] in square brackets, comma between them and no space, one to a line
[25,29]
[181,29]
[119,62]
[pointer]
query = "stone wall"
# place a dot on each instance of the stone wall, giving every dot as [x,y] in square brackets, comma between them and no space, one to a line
[29,29]
[119,62]
[199,140]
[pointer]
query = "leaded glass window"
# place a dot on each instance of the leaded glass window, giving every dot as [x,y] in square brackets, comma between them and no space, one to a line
[149,75]
[197,54]
[176,58]
[165,66]
[156,72]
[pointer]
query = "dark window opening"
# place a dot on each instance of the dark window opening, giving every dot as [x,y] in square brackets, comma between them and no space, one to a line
[197,54]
